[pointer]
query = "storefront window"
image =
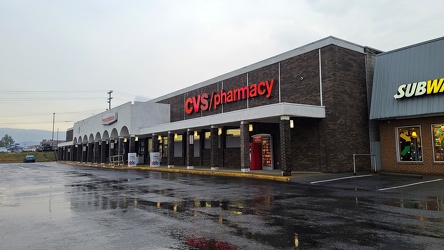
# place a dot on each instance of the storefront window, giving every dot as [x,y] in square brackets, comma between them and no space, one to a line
[409,146]
[438,141]
[233,138]
[207,141]
[178,145]
[164,147]
[150,145]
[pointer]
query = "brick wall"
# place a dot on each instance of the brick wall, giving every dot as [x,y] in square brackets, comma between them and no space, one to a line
[328,144]
[265,74]
[295,90]
[231,84]
[325,145]
[389,143]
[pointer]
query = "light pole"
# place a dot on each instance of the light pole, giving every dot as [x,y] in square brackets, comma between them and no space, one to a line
[53,119]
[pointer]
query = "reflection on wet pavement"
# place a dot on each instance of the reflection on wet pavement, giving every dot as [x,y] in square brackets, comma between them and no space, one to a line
[432,203]
[204,212]
[257,215]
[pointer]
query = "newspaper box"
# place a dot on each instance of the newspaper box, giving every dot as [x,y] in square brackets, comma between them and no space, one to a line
[154,159]
[132,159]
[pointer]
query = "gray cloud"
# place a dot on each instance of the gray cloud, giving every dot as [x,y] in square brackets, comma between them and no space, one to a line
[151,48]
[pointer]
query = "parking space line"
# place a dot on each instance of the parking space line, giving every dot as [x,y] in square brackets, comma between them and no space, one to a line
[408,185]
[342,178]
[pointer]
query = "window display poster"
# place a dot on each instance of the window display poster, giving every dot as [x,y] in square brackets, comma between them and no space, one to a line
[266,152]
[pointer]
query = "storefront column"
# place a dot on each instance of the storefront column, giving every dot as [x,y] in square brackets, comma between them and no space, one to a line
[96,152]
[170,160]
[70,153]
[112,148]
[121,149]
[145,150]
[80,153]
[190,149]
[285,144]
[132,144]
[245,146]
[59,154]
[103,150]
[84,152]
[76,152]
[201,147]
[214,148]
[90,153]
[155,142]
[222,133]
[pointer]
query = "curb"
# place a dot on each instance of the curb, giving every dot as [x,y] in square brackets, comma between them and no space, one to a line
[416,176]
[188,171]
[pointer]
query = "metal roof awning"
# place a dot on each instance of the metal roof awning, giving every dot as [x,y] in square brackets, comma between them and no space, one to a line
[268,113]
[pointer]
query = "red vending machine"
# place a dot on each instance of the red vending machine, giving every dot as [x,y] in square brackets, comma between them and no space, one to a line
[262,143]
[255,156]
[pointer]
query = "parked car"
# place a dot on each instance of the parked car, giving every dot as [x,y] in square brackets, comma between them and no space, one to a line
[29,158]
[44,147]
[28,149]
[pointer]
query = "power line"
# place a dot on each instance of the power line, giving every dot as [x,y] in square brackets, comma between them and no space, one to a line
[48,98]
[47,114]
[122,93]
[51,91]
[17,123]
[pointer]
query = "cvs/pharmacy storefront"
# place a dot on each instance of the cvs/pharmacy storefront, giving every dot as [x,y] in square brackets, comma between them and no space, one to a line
[303,110]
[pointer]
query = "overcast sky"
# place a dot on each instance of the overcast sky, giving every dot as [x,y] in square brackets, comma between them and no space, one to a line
[63,56]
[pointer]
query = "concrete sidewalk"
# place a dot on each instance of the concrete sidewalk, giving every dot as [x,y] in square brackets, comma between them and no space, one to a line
[275,175]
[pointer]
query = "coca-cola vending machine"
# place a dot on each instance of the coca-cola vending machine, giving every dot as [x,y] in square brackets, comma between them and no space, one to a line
[261,152]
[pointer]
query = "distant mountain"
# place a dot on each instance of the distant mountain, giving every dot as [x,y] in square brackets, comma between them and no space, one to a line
[28,137]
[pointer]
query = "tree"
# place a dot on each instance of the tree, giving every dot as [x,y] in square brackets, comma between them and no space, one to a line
[6,141]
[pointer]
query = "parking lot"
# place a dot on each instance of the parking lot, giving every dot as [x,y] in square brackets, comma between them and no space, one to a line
[425,192]
[381,182]
[59,206]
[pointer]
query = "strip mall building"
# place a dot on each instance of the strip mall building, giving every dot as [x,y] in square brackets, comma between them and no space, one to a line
[304,110]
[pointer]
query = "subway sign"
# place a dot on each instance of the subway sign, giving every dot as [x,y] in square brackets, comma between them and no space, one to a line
[207,101]
[428,87]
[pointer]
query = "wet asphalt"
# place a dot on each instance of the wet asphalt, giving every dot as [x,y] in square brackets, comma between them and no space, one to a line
[58,206]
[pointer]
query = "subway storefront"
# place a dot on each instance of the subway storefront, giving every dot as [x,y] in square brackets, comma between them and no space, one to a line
[408,104]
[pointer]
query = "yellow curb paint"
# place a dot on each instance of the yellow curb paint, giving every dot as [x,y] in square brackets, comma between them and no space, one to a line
[192,171]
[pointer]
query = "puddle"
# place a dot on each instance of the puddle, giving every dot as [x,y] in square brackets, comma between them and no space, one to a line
[203,243]
[433,203]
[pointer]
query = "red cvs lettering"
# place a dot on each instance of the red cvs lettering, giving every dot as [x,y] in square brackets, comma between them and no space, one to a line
[196,103]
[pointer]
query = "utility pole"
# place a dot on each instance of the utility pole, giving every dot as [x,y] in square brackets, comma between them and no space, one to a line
[53,119]
[109,99]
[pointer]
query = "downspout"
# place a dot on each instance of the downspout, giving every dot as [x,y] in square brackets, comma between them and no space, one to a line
[279,81]
[320,78]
